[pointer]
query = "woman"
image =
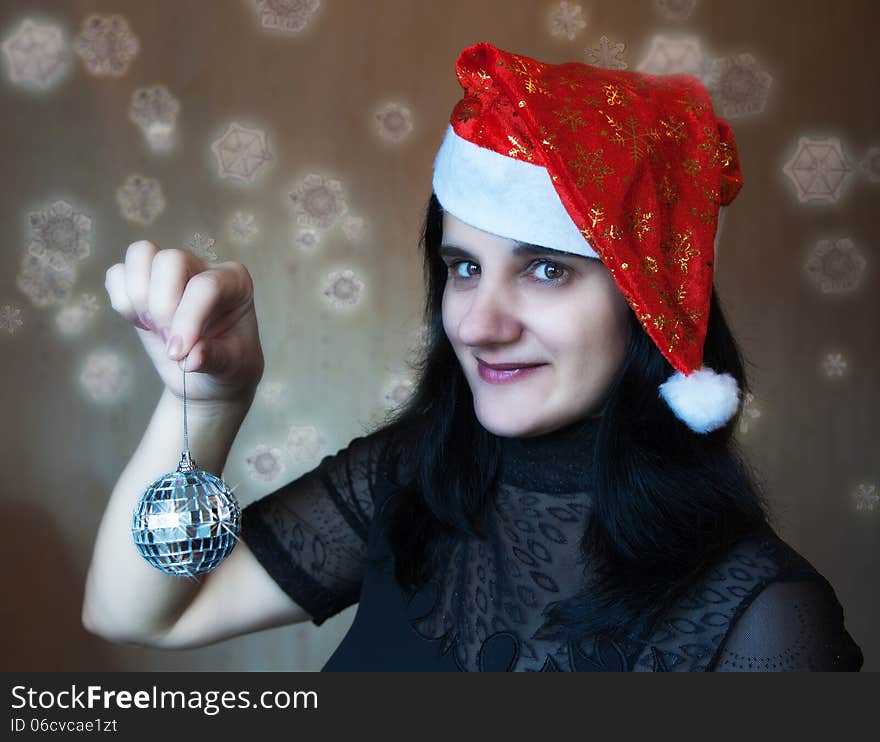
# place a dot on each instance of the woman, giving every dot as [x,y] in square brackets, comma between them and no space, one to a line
[561,491]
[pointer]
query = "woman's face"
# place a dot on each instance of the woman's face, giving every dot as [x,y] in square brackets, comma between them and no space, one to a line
[558,318]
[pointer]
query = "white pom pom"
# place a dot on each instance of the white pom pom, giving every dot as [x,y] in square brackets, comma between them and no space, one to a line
[704,401]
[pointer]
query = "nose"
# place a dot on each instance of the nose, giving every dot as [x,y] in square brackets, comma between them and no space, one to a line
[490,318]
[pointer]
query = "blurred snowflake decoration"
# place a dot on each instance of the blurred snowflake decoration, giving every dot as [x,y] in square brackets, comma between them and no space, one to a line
[271,392]
[90,303]
[74,317]
[71,320]
[307,240]
[836,266]
[54,259]
[140,199]
[867,497]
[10,319]
[264,463]
[242,153]
[304,443]
[818,169]
[834,365]
[106,45]
[36,54]
[354,228]
[202,246]
[566,20]
[738,85]
[750,412]
[318,202]
[45,277]
[243,227]
[394,122]
[674,56]
[61,231]
[286,15]
[104,376]
[397,391]
[155,111]
[343,289]
[676,10]
[871,165]
[607,54]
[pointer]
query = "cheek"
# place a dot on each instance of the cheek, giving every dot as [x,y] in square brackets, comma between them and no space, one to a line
[595,341]
[614,335]
[448,311]
[619,312]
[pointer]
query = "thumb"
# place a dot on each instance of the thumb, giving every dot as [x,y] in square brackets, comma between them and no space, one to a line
[206,356]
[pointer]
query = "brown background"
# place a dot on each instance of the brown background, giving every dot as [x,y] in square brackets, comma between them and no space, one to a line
[315,92]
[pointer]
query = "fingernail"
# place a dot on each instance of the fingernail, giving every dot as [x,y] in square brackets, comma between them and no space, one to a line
[148,319]
[175,345]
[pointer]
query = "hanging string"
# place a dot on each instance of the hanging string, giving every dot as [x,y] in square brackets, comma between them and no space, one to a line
[185,432]
[186,462]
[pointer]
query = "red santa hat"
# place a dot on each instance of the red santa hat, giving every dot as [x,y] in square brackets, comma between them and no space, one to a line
[622,166]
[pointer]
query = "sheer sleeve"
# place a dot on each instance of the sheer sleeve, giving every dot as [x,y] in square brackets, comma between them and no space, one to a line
[790,626]
[311,534]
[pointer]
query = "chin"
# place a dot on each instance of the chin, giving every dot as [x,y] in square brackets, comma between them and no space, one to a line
[506,423]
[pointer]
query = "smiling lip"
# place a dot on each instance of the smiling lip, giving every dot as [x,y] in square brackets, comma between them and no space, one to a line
[500,373]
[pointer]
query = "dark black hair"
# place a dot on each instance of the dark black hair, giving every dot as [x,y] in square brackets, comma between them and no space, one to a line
[668,501]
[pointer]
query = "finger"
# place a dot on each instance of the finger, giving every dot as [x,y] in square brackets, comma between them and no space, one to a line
[209,295]
[138,266]
[170,272]
[114,283]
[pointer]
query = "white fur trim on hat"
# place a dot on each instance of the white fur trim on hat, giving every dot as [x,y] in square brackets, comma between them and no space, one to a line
[505,196]
[704,400]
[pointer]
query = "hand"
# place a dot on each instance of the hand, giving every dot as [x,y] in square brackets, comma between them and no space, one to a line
[168,294]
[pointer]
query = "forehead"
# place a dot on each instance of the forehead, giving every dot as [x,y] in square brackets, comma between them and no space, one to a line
[461,239]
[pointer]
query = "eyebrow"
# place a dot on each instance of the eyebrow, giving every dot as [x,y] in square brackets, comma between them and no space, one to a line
[521,248]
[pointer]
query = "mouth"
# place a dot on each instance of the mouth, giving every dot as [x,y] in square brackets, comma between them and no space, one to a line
[500,373]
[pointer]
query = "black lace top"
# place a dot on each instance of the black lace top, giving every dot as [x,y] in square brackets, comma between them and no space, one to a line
[322,538]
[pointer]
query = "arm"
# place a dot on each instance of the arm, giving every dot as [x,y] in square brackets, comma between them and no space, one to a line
[302,553]
[128,601]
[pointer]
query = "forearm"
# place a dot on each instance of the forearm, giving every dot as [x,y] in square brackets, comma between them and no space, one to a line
[126,599]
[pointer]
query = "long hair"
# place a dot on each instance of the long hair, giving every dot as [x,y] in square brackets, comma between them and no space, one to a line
[667,501]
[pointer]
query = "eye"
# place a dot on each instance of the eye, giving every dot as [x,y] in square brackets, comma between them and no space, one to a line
[553,273]
[467,273]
